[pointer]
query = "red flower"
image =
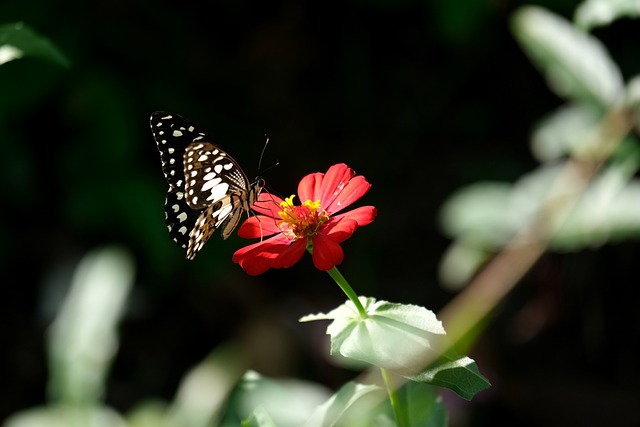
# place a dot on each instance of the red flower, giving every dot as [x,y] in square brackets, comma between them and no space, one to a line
[313,223]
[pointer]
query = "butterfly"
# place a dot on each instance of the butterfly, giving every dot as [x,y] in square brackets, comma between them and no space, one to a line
[208,190]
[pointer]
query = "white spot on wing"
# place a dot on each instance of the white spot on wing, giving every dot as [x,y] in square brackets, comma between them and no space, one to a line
[211,183]
[218,192]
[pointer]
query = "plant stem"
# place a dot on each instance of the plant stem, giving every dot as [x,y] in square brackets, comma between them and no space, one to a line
[401,419]
[348,290]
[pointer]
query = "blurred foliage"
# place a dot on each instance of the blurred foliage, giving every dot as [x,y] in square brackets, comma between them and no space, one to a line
[421,97]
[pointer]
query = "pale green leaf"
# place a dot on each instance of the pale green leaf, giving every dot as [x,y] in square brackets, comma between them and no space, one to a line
[204,390]
[422,405]
[83,338]
[287,401]
[597,13]
[567,130]
[66,416]
[478,212]
[577,66]
[607,211]
[460,262]
[18,40]
[394,336]
[401,338]
[259,418]
[351,406]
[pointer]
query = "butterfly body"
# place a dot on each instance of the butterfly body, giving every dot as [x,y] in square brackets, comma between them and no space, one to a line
[208,190]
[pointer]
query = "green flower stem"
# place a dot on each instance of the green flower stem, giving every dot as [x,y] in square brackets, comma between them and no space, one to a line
[344,285]
[400,414]
[348,290]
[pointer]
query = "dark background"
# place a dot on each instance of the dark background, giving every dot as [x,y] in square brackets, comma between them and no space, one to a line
[421,97]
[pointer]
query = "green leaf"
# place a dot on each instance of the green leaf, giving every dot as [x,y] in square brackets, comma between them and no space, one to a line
[401,338]
[596,13]
[65,416]
[479,213]
[460,375]
[259,418]
[422,405]
[378,338]
[288,402]
[205,389]
[18,40]
[577,66]
[607,211]
[149,413]
[567,130]
[352,405]
[359,405]
[633,100]
[460,262]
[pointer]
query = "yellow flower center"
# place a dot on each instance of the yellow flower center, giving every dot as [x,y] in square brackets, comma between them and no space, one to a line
[301,221]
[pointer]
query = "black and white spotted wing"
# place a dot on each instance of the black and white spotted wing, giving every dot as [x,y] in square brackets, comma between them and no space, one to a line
[207,188]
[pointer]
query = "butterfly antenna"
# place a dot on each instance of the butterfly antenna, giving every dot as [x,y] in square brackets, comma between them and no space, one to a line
[264,148]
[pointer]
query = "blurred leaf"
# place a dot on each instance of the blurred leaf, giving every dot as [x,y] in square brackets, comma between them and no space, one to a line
[633,100]
[423,406]
[66,416]
[18,40]
[567,130]
[352,405]
[460,262]
[576,65]
[205,389]
[287,401]
[478,212]
[259,418]
[149,414]
[596,13]
[83,337]
[488,214]
[607,211]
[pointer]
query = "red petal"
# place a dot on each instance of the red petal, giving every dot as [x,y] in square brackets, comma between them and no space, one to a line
[258,226]
[347,194]
[259,257]
[363,215]
[339,230]
[291,254]
[268,204]
[277,252]
[326,253]
[309,187]
[255,248]
[336,178]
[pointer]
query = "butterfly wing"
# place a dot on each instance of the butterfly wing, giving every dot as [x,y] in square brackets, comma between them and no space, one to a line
[224,214]
[207,188]
[179,217]
[211,174]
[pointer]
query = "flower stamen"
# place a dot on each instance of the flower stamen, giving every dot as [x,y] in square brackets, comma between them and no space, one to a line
[301,221]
